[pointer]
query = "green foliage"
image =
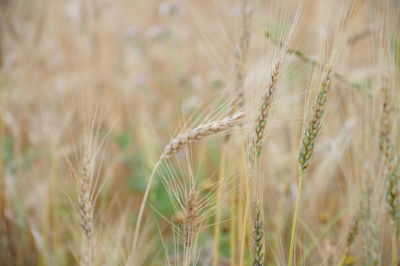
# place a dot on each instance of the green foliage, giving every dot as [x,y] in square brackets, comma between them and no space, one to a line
[124,140]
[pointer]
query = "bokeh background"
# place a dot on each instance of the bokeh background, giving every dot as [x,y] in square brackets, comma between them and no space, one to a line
[141,70]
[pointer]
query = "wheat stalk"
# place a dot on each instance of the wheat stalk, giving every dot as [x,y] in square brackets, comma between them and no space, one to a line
[241,54]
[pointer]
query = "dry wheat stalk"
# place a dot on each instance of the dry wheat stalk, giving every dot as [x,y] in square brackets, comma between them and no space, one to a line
[201,132]
[85,203]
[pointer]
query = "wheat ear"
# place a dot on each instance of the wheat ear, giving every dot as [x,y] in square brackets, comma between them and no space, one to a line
[261,122]
[390,167]
[190,223]
[315,124]
[85,203]
[178,143]
[201,132]
[385,141]
[307,148]
[258,248]
[255,147]
[351,238]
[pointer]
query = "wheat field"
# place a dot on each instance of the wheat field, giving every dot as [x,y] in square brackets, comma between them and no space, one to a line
[215,132]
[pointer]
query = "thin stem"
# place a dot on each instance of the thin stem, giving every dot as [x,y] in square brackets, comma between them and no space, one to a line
[296,211]
[219,204]
[142,206]
[232,241]
[394,246]
[244,206]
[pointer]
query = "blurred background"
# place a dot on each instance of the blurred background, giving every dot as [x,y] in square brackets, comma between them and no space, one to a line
[141,70]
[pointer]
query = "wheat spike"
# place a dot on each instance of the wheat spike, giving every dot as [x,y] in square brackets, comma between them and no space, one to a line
[350,239]
[315,124]
[392,196]
[85,204]
[385,142]
[191,216]
[261,122]
[258,249]
[388,158]
[201,132]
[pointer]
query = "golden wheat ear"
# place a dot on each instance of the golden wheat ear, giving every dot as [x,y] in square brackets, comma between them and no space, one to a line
[201,132]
